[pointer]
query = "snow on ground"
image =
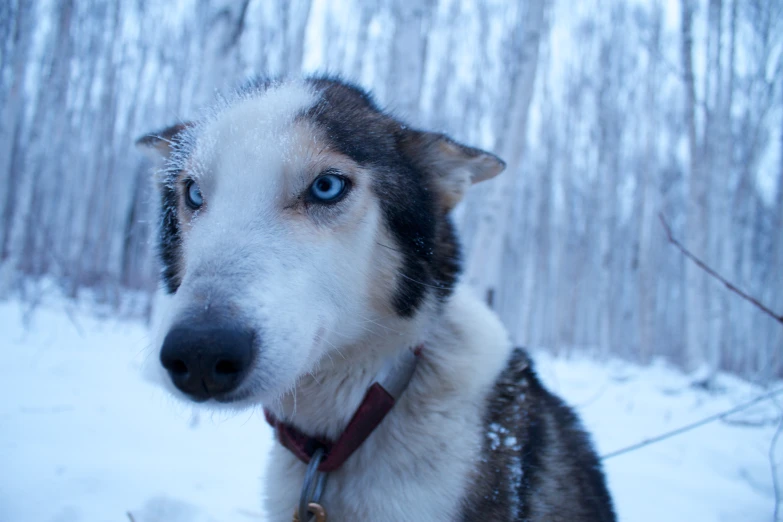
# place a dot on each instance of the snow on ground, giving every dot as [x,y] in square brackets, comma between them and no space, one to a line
[84,438]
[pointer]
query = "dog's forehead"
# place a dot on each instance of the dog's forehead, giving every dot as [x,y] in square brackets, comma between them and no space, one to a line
[260,126]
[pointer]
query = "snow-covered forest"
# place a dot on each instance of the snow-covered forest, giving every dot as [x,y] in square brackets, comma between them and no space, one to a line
[608,113]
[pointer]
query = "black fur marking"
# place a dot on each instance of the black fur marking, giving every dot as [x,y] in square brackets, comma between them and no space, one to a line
[539,464]
[169,246]
[167,141]
[423,232]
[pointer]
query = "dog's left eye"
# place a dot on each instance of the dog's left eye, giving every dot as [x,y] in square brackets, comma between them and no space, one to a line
[328,187]
[193,196]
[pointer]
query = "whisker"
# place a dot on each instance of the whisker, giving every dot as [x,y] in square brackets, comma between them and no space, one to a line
[387,246]
[437,287]
[315,377]
[367,319]
[294,393]
[363,327]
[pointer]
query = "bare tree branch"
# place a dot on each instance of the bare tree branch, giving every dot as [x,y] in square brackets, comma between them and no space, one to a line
[773,465]
[701,264]
[689,427]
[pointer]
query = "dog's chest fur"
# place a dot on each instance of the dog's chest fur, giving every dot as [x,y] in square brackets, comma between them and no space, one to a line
[417,465]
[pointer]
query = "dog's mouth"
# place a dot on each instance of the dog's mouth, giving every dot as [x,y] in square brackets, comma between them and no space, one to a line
[226,398]
[220,398]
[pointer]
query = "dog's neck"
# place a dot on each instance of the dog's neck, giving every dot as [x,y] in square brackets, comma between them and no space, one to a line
[432,436]
[322,403]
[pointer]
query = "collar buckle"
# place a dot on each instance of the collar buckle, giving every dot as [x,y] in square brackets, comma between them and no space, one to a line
[312,489]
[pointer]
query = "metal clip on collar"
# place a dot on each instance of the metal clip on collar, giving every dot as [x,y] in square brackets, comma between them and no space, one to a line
[312,489]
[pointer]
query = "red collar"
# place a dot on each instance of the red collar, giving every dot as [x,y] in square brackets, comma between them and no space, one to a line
[378,401]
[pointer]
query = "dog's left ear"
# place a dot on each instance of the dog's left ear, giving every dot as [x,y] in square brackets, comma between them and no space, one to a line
[159,145]
[454,166]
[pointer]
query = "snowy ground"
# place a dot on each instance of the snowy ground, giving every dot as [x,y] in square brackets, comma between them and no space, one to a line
[84,438]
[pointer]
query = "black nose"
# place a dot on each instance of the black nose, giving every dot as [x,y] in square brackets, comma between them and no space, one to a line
[207,361]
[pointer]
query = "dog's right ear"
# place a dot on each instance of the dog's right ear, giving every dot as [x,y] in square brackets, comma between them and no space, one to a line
[455,166]
[159,145]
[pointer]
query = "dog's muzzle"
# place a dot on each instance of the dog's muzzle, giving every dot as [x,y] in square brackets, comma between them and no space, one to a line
[207,360]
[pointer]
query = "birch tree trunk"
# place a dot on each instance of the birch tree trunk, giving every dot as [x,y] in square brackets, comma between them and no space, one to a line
[491,220]
[696,229]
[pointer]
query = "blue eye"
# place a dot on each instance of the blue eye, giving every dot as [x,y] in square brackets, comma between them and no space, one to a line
[328,187]
[193,196]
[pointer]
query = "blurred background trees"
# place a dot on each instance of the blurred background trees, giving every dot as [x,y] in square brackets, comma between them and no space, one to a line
[607,111]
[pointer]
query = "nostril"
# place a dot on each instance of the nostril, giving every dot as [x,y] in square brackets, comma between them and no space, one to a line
[176,367]
[227,367]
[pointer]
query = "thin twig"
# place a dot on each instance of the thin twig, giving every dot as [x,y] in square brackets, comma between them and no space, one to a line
[747,423]
[691,426]
[72,318]
[773,465]
[130,516]
[701,264]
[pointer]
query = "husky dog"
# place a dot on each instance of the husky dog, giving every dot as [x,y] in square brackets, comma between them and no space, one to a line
[305,240]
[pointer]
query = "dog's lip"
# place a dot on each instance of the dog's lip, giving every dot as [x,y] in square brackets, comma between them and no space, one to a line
[227,398]
[224,398]
[198,400]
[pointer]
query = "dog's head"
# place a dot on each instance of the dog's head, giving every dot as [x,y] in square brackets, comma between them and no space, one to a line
[296,220]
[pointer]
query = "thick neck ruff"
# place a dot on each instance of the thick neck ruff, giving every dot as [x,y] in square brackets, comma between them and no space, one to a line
[380,398]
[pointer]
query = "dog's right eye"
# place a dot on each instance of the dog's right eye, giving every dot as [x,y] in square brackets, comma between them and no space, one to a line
[329,187]
[193,196]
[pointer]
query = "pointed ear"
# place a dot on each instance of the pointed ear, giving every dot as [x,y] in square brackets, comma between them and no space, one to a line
[158,145]
[454,166]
